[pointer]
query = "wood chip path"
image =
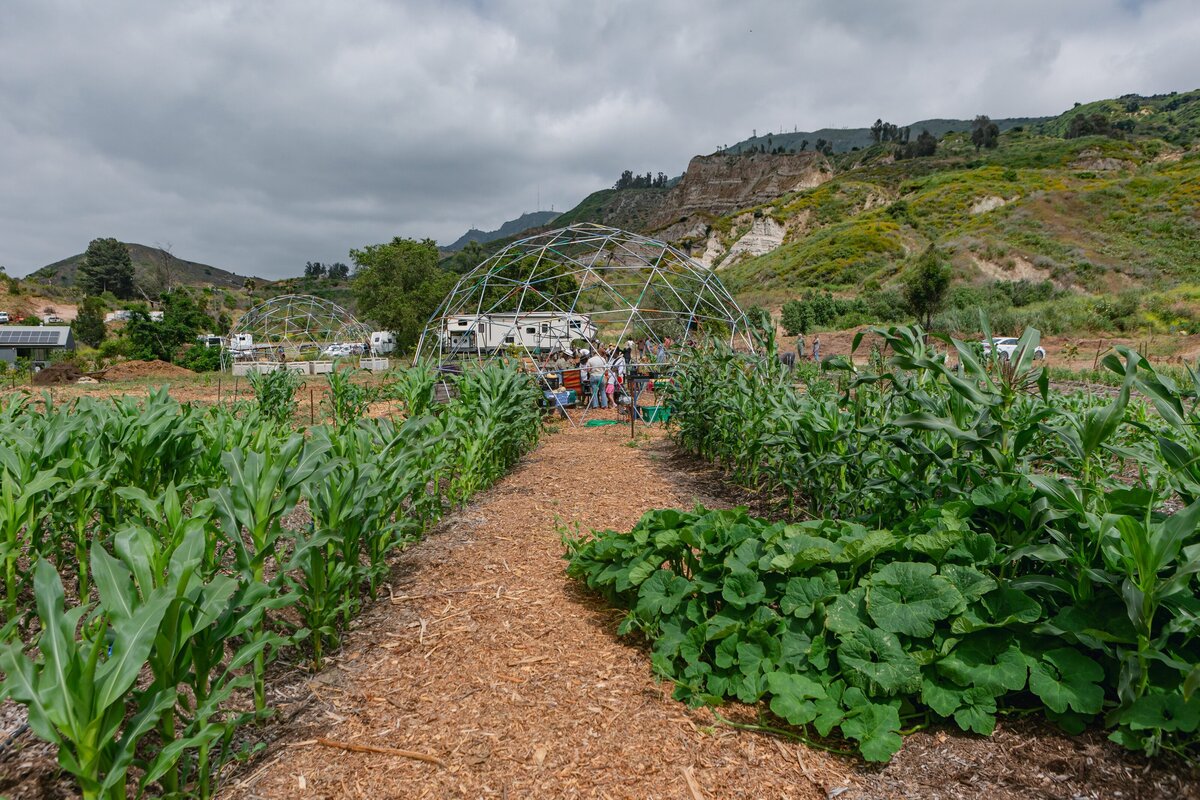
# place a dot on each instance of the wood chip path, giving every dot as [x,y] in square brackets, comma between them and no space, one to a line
[488,659]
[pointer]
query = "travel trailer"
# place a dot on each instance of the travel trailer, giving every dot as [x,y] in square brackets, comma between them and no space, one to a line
[534,331]
[382,343]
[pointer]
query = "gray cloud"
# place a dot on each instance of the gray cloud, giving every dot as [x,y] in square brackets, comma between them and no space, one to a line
[256,136]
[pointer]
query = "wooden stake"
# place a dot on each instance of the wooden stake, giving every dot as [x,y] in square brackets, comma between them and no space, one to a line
[312,408]
[218,390]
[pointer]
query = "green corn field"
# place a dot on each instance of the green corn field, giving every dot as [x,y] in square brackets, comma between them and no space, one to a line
[150,578]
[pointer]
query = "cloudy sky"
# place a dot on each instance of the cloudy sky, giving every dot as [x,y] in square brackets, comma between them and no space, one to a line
[256,136]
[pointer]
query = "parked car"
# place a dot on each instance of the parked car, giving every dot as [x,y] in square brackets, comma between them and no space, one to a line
[3,317]
[1006,346]
[336,351]
[53,319]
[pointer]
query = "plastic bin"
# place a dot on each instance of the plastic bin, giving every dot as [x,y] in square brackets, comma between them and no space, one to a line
[655,413]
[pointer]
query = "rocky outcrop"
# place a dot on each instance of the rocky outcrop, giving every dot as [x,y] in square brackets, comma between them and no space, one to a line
[986,204]
[764,235]
[717,184]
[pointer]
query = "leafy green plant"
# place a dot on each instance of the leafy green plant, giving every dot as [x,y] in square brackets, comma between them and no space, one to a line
[348,401]
[275,393]
[81,689]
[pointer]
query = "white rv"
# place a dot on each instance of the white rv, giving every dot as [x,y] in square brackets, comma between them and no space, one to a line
[382,343]
[535,331]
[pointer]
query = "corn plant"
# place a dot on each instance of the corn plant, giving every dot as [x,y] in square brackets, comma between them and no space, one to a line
[24,503]
[262,488]
[80,691]
[347,401]
[275,394]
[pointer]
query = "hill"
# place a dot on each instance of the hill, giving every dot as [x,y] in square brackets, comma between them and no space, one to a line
[1089,220]
[530,219]
[148,263]
[844,140]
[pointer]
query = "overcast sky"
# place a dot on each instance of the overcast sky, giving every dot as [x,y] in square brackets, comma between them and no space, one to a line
[256,136]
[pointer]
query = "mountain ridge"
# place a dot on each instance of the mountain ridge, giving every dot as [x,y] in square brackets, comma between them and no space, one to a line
[529,219]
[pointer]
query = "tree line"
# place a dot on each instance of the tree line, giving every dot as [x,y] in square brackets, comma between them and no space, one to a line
[628,180]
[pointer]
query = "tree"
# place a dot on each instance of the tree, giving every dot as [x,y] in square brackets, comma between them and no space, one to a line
[250,285]
[877,130]
[162,269]
[984,133]
[89,325]
[926,285]
[923,147]
[1089,125]
[182,321]
[106,267]
[313,269]
[399,285]
[465,259]
[337,271]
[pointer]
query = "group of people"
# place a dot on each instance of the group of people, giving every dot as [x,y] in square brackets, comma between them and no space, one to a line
[816,347]
[604,370]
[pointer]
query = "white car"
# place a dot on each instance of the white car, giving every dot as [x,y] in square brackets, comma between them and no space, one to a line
[336,351]
[3,317]
[1006,346]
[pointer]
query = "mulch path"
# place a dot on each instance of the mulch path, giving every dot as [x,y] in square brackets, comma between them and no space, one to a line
[487,658]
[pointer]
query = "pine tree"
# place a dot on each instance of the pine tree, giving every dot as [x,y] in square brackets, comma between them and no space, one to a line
[106,267]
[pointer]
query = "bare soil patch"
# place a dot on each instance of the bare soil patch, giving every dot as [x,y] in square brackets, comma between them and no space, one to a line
[131,370]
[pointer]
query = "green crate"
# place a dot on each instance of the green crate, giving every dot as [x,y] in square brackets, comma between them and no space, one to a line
[655,413]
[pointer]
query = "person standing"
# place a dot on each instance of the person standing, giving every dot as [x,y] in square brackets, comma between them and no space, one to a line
[816,348]
[596,366]
[619,367]
[800,346]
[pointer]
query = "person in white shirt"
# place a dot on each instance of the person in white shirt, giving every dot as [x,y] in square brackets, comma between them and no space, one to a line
[596,366]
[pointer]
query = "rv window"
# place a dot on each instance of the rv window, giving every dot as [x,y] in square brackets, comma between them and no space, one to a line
[462,323]
[508,340]
[545,327]
[531,329]
[576,323]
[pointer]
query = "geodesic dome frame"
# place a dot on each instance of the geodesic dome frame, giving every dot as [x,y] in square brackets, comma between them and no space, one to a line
[293,327]
[585,282]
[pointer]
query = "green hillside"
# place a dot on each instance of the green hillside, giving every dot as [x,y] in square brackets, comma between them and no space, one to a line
[631,209]
[843,140]
[147,262]
[1095,220]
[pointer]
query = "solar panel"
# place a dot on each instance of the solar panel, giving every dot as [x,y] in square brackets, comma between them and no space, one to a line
[29,338]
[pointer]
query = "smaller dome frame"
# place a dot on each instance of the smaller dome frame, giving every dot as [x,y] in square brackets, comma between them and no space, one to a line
[294,327]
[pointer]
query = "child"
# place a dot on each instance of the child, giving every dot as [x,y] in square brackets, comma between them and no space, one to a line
[610,380]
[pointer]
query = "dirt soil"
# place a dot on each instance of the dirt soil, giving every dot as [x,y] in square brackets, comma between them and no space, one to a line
[487,673]
[55,374]
[131,370]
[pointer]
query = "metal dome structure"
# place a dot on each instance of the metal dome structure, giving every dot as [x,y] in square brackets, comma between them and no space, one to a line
[575,287]
[294,327]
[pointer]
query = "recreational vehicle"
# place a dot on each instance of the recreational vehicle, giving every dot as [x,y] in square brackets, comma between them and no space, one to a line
[382,342]
[534,331]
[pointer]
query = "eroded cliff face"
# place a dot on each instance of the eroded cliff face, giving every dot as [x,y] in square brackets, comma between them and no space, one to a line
[715,185]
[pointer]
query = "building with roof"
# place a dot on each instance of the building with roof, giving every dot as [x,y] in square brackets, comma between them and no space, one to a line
[34,343]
